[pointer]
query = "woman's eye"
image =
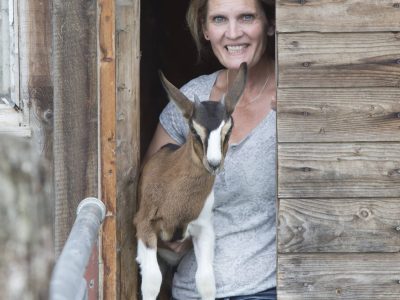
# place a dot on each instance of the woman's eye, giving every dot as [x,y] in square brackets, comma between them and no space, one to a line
[248,18]
[218,19]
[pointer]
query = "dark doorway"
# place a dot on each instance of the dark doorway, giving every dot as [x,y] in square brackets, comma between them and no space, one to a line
[166,44]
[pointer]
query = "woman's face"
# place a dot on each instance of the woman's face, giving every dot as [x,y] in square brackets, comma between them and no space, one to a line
[236,30]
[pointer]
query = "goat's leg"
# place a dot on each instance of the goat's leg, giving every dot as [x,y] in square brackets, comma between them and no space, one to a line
[150,271]
[203,241]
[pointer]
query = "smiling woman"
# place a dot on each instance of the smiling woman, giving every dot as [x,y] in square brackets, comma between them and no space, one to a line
[244,210]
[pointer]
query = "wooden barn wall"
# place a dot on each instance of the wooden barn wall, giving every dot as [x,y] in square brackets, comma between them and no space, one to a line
[338,149]
[36,87]
[128,144]
[96,131]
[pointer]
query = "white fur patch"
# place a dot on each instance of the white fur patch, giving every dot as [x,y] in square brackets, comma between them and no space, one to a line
[214,150]
[202,232]
[151,274]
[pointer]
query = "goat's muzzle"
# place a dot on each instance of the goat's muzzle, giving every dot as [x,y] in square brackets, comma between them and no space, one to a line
[213,167]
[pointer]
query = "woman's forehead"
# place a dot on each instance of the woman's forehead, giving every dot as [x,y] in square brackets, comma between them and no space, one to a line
[225,6]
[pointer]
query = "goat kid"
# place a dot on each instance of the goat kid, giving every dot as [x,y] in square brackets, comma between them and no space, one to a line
[175,188]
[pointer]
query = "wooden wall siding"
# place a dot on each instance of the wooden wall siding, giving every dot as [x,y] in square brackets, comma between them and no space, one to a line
[339,225]
[340,276]
[338,170]
[338,16]
[339,59]
[75,109]
[128,139]
[36,87]
[339,115]
[338,149]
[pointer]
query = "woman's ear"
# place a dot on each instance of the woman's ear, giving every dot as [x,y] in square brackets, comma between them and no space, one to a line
[271,30]
[205,33]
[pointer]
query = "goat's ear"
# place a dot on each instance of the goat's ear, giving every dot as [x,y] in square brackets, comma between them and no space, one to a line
[235,92]
[176,96]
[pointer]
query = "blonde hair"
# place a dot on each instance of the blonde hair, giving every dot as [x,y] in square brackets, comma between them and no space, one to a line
[196,17]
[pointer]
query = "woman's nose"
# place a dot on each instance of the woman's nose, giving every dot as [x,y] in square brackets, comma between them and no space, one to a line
[234,30]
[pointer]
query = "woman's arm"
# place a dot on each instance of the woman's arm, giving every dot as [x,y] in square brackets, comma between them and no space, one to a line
[160,138]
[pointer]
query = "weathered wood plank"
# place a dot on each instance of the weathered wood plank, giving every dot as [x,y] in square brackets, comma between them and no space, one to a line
[338,115]
[338,170]
[339,59]
[36,87]
[337,16]
[108,176]
[75,109]
[26,209]
[339,276]
[128,139]
[339,225]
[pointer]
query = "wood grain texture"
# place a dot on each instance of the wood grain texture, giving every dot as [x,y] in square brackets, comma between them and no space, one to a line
[339,276]
[75,110]
[337,15]
[128,139]
[339,59]
[338,170]
[339,225]
[108,177]
[36,87]
[338,115]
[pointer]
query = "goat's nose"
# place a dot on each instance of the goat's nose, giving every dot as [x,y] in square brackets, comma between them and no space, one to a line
[214,165]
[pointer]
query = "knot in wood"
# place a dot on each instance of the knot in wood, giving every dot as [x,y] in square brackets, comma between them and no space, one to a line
[365,213]
[306,64]
[295,43]
[396,5]
[48,115]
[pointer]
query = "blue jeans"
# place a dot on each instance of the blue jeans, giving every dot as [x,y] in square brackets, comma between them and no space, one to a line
[269,294]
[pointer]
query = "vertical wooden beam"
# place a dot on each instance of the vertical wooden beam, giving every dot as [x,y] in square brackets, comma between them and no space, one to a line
[108,146]
[75,109]
[128,138]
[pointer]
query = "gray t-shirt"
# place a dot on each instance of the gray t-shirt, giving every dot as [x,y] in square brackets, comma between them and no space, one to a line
[244,208]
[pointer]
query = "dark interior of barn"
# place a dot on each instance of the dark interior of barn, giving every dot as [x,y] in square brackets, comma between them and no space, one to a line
[166,45]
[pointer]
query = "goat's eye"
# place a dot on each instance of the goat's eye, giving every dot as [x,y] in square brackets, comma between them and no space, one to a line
[196,135]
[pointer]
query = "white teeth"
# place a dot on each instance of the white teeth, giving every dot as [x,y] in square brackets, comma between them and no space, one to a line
[236,48]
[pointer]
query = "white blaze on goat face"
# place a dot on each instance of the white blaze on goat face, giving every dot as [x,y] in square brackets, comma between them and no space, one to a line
[214,149]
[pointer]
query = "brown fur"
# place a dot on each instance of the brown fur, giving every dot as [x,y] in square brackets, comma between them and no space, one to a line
[185,178]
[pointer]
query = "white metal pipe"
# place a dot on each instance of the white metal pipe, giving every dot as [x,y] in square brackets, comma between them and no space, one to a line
[67,278]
